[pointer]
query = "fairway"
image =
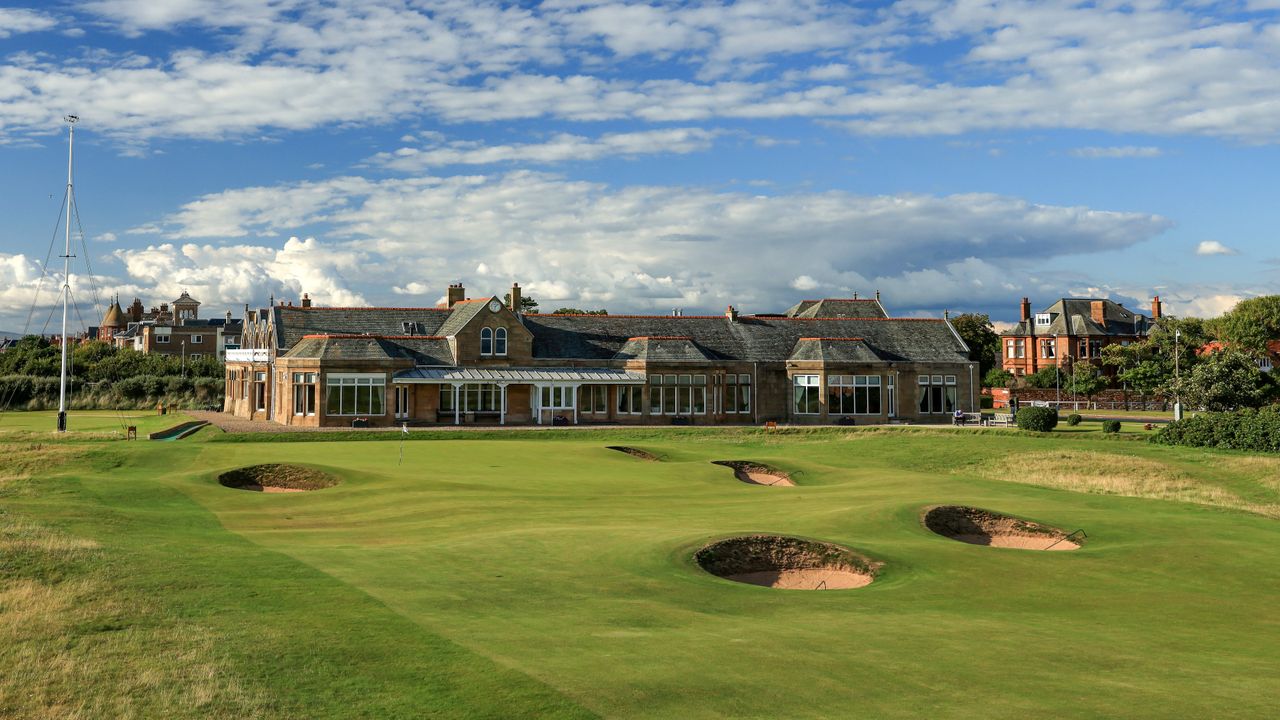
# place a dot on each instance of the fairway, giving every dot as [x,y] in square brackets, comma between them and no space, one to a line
[545,575]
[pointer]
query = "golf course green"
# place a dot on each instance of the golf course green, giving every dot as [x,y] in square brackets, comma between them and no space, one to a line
[541,574]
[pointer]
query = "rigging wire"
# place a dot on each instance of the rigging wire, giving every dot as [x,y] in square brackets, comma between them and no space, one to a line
[88,264]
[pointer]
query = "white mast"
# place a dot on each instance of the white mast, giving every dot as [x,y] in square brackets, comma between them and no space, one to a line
[66,280]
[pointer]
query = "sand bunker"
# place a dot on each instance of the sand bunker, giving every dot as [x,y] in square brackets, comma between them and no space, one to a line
[277,478]
[635,452]
[983,527]
[786,563]
[756,473]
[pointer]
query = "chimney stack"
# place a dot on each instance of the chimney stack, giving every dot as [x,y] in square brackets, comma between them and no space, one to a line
[877,296]
[515,297]
[855,294]
[1155,308]
[306,300]
[457,294]
[732,314]
[1096,312]
[1026,309]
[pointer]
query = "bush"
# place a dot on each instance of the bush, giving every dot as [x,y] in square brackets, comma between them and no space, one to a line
[1037,419]
[1043,378]
[996,377]
[1074,419]
[1111,426]
[1256,430]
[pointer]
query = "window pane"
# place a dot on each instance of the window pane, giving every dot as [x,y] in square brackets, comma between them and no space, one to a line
[744,399]
[873,401]
[951,399]
[602,399]
[924,399]
[378,400]
[744,379]
[500,341]
[655,399]
[700,400]
[669,400]
[935,392]
[668,379]
[834,406]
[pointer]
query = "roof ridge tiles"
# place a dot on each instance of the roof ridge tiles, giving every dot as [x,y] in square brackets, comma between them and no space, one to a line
[661,337]
[877,319]
[837,339]
[403,309]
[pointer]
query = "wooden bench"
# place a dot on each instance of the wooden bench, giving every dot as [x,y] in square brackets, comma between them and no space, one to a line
[1005,419]
[971,419]
[771,425]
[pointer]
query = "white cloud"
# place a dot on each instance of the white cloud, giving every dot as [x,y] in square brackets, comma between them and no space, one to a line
[1213,247]
[657,247]
[106,237]
[15,21]
[1127,151]
[1009,64]
[561,148]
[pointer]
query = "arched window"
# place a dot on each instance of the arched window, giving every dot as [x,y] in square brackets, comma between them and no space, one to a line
[500,342]
[486,341]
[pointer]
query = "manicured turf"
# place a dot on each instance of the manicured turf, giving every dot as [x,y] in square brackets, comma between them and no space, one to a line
[89,422]
[543,575]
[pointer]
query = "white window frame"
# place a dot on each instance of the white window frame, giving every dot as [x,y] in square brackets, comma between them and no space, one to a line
[1043,319]
[806,382]
[197,339]
[866,383]
[376,383]
[1049,348]
[557,397]
[486,341]
[500,342]
[163,339]
[630,399]
[737,394]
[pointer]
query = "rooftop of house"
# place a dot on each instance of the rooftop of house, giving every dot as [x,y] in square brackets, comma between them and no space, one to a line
[1076,316]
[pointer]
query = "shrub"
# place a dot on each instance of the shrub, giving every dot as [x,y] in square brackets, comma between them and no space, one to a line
[1074,419]
[1256,430]
[996,377]
[1111,426]
[1042,378]
[1037,419]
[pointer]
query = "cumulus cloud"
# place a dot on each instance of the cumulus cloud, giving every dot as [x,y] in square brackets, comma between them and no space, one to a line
[14,21]
[1213,247]
[1126,151]
[653,247]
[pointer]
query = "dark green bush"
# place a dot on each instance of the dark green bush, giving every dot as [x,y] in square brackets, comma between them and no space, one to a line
[1111,426]
[1074,419]
[1037,419]
[1256,430]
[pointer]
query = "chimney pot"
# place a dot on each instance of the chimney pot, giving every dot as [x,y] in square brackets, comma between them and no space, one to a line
[306,300]
[457,293]
[1156,308]
[731,313]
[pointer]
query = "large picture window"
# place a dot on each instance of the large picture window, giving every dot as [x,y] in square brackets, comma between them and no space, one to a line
[472,397]
[853,395]
[737,394]
[593,399]
[808,391]
[356,394]
[557,398]
[630,399]
[937,394]
[677,394]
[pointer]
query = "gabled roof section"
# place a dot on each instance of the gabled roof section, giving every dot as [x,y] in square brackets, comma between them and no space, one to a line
[670,348]
[834,350]
[838,308]
[1074,316]
[292,323]
[749,338]
[462,312]
[420,350]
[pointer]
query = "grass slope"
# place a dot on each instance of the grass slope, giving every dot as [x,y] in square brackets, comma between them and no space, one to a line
[541,575]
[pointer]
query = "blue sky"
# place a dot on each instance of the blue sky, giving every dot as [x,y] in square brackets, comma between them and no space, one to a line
[646,156]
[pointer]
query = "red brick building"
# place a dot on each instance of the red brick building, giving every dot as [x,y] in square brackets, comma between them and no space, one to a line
[1071,330]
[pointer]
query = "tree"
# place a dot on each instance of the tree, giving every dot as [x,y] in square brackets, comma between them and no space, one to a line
[577,311]
[528,305]
[1250,325]
[1226,380]
[1083,379]
[997,377]
[980,335]
[1046,377]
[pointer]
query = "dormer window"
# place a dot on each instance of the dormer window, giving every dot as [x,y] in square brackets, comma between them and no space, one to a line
[1043,319]
[408,327]
[500,341]
[486,341]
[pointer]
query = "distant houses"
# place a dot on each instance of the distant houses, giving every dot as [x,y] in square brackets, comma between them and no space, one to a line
[172,329]
[1072,330]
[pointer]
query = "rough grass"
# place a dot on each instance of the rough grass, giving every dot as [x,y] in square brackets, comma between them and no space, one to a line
[22,460]
[1103,473]
[74,647]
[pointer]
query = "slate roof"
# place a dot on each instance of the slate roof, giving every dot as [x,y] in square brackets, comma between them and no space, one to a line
[421,350]
[751,338]
[834,350]
[462,313]
[661,349]
[292,323]
[838,308]
[1074,316]
[594,375]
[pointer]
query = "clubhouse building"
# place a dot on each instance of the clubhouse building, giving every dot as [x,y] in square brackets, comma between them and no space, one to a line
[478,361]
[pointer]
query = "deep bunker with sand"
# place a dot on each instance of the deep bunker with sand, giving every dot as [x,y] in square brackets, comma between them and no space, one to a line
[984,527]
[754,473]
[788,563]
[276,478]
[635,452]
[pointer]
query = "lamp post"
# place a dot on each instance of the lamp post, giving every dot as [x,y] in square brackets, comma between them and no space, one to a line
[184,358]
[1177,350]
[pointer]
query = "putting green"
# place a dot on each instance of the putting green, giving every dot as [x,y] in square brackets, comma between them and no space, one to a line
[545,575]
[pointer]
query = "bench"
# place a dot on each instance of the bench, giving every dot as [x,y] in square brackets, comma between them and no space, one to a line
[968,419]
[771,425]
[1005,419]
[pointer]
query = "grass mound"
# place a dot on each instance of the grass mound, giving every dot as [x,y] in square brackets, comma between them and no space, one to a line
[635,452]
[788,563]
[984,527]
[277,477]
[754,473]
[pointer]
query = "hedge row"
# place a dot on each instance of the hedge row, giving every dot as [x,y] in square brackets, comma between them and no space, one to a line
[32,392]
[1257,430]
